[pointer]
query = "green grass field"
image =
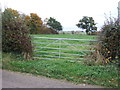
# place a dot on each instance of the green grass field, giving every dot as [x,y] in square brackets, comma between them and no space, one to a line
[67,36]
[64,52]
[103,75]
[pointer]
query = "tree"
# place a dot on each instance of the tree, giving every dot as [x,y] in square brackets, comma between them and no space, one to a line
[34,22]
[15,34]
[87,23]
[53,24]
[37,26]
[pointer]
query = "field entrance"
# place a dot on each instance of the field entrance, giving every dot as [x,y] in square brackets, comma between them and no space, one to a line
[62,48]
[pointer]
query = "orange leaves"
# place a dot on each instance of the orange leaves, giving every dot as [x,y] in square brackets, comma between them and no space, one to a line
[27,17]
[34,22]
[34,16]
[35,19]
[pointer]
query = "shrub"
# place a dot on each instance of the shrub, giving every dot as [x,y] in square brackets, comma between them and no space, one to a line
[46,30]
[109,40]
[108,47]
[15,34]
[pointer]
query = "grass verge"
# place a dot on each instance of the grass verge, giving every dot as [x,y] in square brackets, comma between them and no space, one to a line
[106,76]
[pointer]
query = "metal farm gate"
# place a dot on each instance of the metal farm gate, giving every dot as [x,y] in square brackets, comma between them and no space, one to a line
[62,48]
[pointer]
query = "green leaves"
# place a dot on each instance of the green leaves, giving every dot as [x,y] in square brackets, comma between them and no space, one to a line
[55,25]
[88,24]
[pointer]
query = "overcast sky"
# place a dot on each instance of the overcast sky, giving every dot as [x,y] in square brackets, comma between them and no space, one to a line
[67,12]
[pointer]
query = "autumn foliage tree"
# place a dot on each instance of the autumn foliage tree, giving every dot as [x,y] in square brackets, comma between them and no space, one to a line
[34,22]
[37,26]
[15,34]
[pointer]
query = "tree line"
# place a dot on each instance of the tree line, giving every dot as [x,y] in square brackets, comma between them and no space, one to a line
[16,30]
[37,26]
[51,25]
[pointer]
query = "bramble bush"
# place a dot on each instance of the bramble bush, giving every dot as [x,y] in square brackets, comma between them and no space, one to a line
[15,34]
[107,49]
[109,40]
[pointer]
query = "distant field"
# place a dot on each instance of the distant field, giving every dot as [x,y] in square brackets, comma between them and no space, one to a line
[68,36]
[53,49]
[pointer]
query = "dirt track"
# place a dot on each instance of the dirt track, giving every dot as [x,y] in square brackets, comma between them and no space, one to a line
[21,80]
